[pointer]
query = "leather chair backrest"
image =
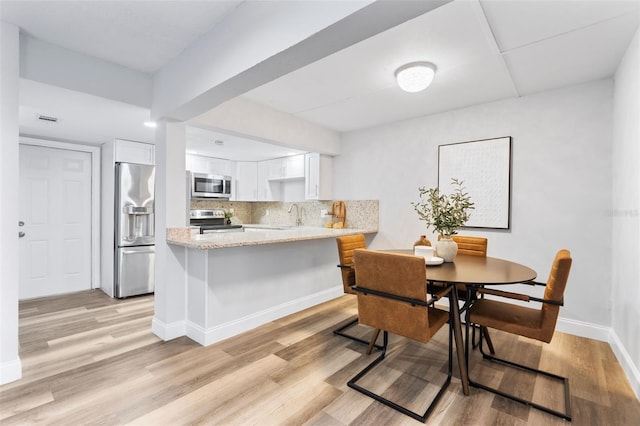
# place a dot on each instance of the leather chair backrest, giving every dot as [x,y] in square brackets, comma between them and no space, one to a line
[554,290]
[346,246]
[475,246]
[400,275]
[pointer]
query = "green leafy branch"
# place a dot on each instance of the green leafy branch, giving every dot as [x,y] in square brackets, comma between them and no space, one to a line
[444,213]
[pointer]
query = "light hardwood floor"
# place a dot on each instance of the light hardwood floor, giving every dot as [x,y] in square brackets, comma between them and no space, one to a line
[88,359]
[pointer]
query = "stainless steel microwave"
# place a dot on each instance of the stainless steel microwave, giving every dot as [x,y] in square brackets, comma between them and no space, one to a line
[204,185]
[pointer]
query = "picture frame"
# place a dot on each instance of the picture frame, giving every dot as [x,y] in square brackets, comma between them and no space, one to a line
[484,167]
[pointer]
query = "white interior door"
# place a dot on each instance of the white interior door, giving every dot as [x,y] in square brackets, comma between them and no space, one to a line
[55,207]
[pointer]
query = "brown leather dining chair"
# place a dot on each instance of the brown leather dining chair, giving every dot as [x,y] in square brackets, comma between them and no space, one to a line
[346,245]
[392,297]
[533,323]
[474,246]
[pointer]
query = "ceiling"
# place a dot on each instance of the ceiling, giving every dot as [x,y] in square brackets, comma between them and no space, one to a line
[141,35]
[485,50]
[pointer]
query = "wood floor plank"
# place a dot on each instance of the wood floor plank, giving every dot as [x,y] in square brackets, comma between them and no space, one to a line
[92,360]
[197,404]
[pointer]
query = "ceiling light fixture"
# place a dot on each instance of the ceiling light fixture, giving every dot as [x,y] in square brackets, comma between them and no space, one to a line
[415,76]
[151,124]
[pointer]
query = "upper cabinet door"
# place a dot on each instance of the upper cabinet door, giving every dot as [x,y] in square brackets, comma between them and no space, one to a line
[246,181]
[294,167]
[210,165]
[318,177]
[275,168]
[286,168]
[268,190]
[134,152]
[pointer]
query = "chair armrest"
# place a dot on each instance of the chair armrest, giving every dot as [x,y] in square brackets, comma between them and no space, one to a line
[506,294]
[439,295]
[534,283]
[518,296]
[413,302]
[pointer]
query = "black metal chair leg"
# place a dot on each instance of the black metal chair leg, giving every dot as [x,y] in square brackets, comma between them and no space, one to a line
[422,417]
[567,393]
[487,338]
[340,332]
[474,343]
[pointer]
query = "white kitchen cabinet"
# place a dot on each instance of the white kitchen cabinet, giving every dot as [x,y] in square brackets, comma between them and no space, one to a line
[246,181]
[294,167]
[210,165]
[318,176]
[268,190]
[275,168]
[286,168]
[133,152]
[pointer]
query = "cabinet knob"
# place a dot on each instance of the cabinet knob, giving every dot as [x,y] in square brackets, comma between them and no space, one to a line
[20,223]
[21,234]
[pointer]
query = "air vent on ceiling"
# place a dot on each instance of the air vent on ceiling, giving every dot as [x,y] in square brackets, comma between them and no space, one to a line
[48,118]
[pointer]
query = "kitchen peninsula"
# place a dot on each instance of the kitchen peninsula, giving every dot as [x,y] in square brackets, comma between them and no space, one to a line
[240,280]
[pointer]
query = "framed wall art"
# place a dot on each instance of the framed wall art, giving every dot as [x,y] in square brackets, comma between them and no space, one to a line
[484,166]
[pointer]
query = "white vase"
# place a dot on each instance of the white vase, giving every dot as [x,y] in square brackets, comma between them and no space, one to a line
[446,248]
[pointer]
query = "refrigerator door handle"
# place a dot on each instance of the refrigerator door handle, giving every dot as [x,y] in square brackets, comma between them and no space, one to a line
[138,249]
[130,209]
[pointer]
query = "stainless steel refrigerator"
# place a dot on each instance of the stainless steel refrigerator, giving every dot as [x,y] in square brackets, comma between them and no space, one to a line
[134,229]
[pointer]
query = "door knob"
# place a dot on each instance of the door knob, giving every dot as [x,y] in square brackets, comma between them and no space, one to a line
[20,223]
[21,234]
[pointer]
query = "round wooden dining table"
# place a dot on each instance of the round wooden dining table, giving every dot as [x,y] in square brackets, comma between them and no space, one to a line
[468,269]
[472,270]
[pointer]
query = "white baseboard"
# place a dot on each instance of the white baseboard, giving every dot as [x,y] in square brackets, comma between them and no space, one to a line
[604,334]
[232,328]
[10,371]
[583,329]
[168,331]
[630,369]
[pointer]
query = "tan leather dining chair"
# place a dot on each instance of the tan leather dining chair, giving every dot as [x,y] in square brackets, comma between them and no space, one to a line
[392,297]
[533,323]
[346,246]
[474,246]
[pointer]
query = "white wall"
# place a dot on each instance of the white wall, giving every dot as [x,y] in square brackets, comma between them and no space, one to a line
[10,366]
[625,210]
[560,187]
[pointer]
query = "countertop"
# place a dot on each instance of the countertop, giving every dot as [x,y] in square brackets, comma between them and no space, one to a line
[257,236]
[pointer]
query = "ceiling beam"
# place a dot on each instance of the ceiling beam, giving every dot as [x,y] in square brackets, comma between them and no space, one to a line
[271,42]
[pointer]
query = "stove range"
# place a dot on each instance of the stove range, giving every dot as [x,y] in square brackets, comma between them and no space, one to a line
[212,220]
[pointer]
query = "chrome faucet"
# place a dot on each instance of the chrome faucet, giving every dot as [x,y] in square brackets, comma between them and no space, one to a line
[298,220]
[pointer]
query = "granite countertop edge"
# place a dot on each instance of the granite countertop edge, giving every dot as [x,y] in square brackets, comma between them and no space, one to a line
[183,237]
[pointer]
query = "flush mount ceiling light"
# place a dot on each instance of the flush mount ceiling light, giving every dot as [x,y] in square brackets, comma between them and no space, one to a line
[415,76]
